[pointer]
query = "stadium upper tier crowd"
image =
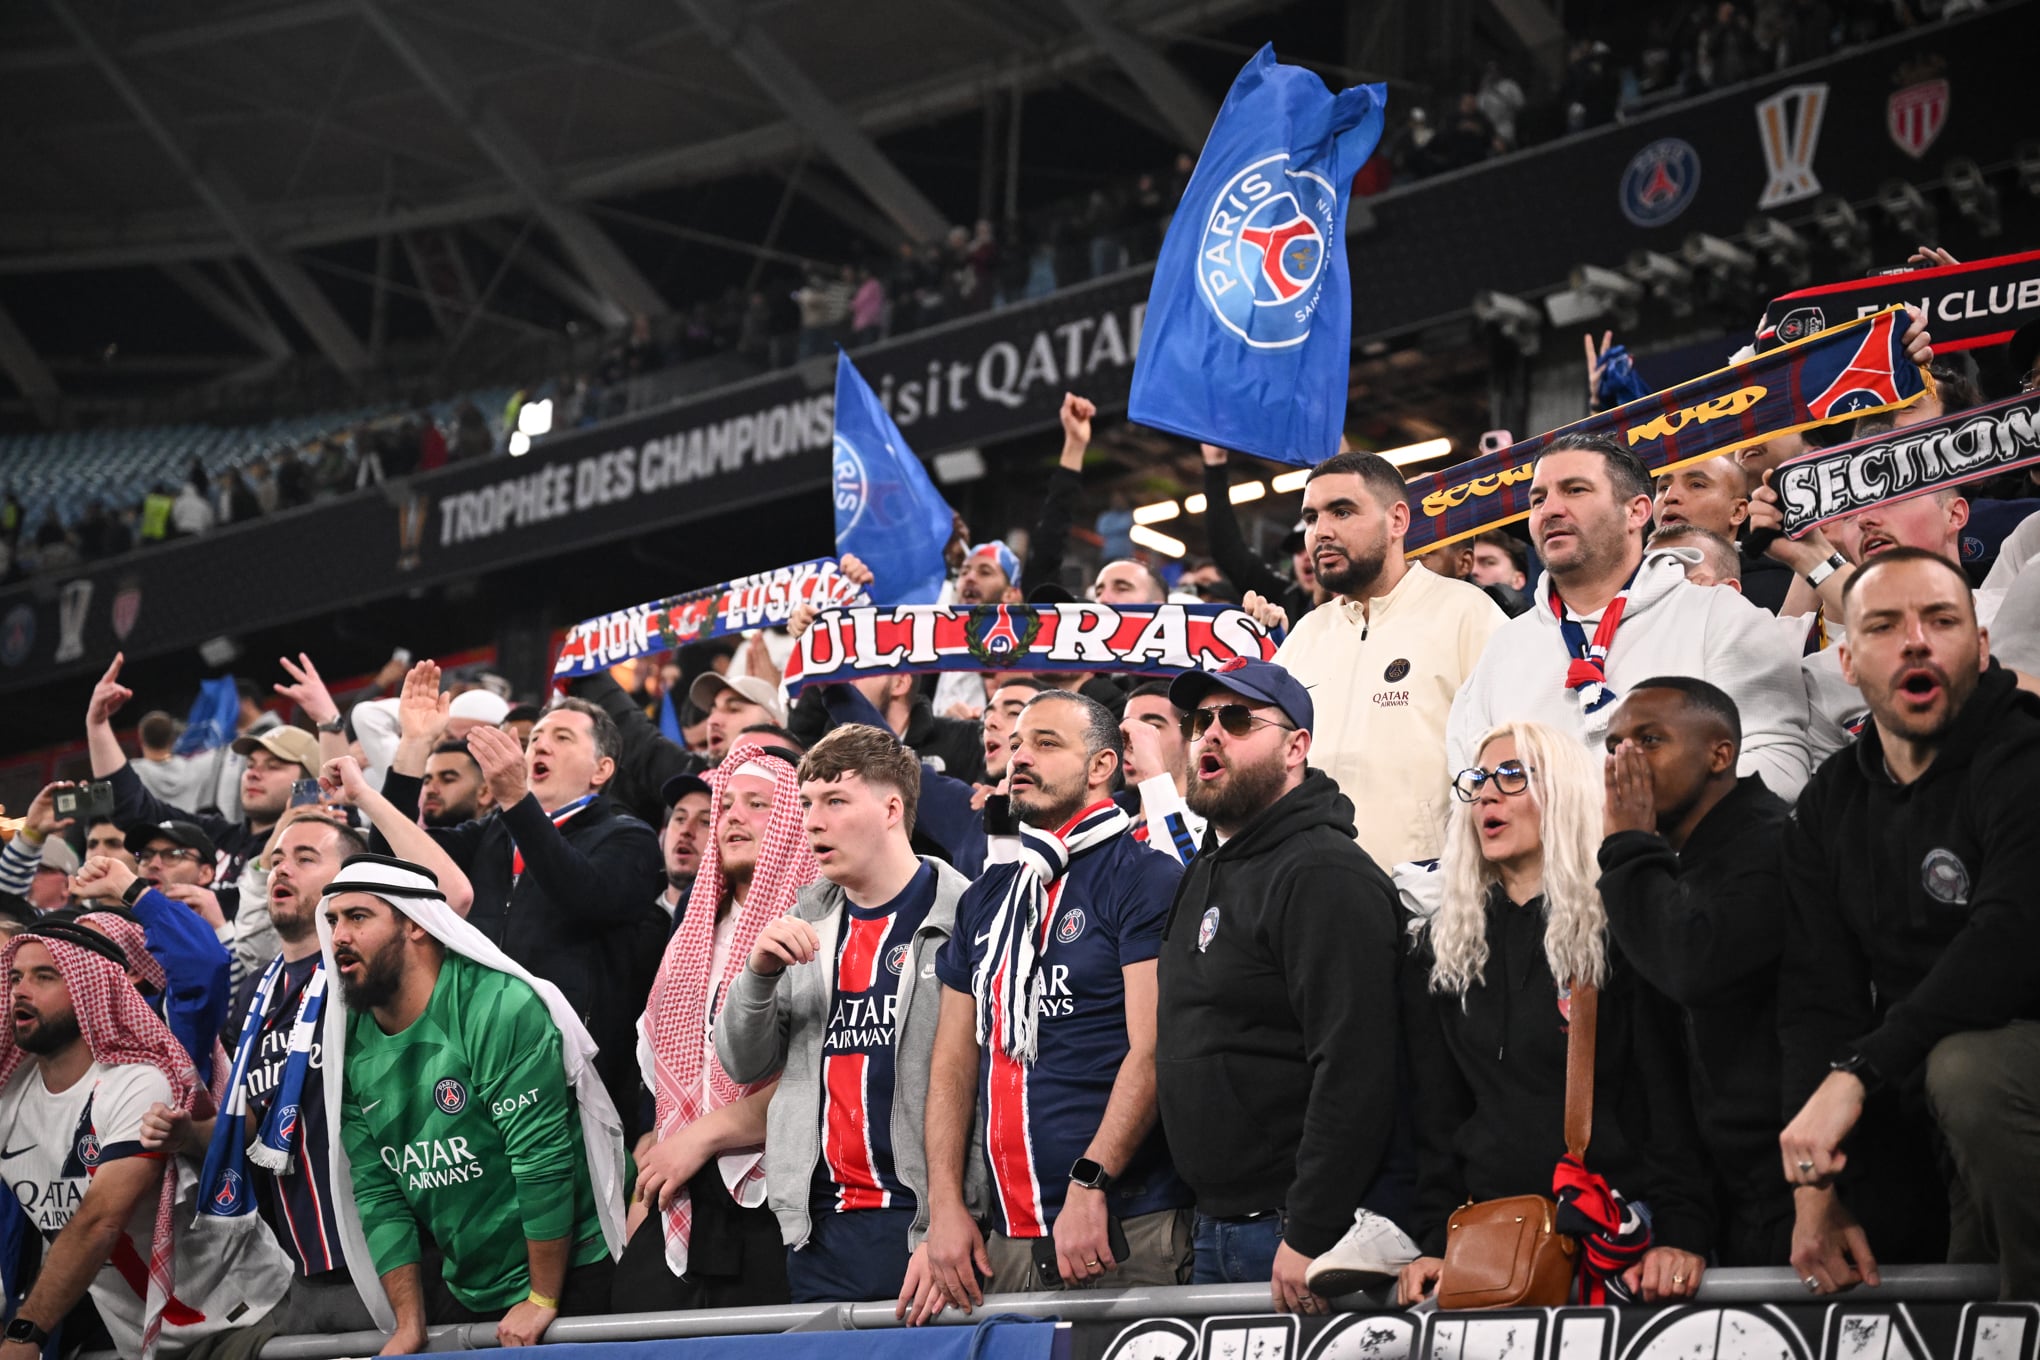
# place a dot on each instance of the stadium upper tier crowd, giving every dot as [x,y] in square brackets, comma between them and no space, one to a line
[924,991]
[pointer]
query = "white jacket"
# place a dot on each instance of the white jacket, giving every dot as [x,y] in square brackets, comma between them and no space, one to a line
[1669,627]
[1382,683]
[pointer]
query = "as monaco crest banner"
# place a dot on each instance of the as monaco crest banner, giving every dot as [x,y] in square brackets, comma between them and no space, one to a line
[1148,639]
[1899,464]
[1248,338]
[1852,370]
[765,600]
[1968,306]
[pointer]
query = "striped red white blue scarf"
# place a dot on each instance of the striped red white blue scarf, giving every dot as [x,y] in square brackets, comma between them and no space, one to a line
[1011,966]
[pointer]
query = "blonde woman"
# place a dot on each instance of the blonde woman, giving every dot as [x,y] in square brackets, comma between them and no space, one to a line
[1488,1001]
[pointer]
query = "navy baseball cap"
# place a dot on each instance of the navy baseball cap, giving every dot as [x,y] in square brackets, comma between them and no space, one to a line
[679,786]
[1250,678]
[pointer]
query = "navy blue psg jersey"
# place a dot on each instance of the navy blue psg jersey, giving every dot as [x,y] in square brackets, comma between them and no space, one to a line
[872,950]
[1105,913]
[299,1204]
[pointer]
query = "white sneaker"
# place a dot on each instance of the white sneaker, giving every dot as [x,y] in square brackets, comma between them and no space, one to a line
[1373,1250]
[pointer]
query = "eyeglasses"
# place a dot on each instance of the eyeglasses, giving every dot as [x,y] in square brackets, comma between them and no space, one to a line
[144,856]
[1236,719]
[1511,777]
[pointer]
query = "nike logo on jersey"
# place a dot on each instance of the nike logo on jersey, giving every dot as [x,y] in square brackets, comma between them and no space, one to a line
[371,1105]
[982,938]
[7,1154]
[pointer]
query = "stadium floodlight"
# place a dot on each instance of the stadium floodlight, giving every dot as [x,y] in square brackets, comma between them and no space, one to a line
[1669,281]
[1423,451]
[1156,513]
[1846,234]
[1908,210]
[1157,540]
[1519,322]
[1974,197]
[1570,307]
[1606,284]
[535,418]
[1287,482]
[1783,249]
[520,443]
[1712,255]
[1242,492]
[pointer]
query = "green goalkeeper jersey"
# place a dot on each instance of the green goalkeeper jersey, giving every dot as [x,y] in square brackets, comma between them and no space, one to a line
[464,1125]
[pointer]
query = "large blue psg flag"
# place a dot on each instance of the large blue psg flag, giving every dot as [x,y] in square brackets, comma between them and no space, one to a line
[214,716]
[1248,337]
[887,511]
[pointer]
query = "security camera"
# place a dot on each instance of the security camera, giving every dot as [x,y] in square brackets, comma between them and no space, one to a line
[1783,249]
[1974,197]
[1607,284]
[1717,256]
[1846,234]
[1518,321]
[1657,269]
[1908,209]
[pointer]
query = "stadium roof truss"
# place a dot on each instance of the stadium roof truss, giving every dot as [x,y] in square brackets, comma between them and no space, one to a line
[232,135]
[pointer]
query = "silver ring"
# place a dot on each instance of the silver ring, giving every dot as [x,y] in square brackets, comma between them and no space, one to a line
[1812,1285]
[1806,1168]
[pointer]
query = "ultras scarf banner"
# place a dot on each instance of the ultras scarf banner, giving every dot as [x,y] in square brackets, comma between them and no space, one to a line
[765,600]
[1852,370]
[1148,639]
[1968,306]
[1897,464]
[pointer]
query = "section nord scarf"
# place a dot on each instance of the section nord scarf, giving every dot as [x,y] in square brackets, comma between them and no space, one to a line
[675,1030]
[766,600]
[1008,985]
[1831,484]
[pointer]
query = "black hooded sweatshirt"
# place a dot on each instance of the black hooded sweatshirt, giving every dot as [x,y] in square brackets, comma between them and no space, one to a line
[1277,1041]
[1490,1071]
[1704,925]
[1912,909]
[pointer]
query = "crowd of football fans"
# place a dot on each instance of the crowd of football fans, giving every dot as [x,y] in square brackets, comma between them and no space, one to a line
[415,1006]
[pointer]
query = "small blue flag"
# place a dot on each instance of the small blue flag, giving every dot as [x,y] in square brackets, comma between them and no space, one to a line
[1248,338]
[887,511]
[669,721]
[214,717]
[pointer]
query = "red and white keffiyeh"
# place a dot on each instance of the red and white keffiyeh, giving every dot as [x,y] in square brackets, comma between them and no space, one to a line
[127,932]
[120,1029]
[676,1016]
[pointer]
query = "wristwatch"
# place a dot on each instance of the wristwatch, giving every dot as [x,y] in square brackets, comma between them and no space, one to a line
[1090,1175]
[336,726]
[1858,1066]
[1822,570]
[21,1329]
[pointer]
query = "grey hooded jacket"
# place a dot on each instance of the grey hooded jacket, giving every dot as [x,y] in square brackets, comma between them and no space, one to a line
[776,1025]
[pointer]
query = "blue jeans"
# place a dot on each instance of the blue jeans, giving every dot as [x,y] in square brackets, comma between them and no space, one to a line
[1234,1251]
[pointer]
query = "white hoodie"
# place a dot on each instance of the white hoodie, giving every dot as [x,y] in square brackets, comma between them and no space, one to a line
[1669,627]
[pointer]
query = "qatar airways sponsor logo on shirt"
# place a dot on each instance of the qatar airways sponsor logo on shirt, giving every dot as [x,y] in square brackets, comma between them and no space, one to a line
[433,1163]
[862,1022]
[49,1204]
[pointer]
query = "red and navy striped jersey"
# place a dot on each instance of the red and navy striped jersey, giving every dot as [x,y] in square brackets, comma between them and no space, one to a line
[875,945]
[299,1205]
[1106,913]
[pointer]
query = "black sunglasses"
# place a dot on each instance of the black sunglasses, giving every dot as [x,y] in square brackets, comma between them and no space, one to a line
[1236,719]
[1511,777]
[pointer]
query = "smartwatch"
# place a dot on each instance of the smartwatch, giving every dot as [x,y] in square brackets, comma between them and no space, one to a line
[1821,571]
[21,1329]
[1090,1175]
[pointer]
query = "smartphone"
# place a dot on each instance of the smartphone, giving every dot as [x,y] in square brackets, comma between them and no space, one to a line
[94,799]
[1048,1275]
[1494,441]
[305,791]
[402,656]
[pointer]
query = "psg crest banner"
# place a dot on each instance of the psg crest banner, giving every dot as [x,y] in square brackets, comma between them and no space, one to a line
[1852,370]
[1968,306]
[1248,338]
[1896,464]
[765,600]
[1147,639]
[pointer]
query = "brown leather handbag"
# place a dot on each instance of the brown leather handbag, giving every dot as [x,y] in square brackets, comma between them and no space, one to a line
[1505,1253]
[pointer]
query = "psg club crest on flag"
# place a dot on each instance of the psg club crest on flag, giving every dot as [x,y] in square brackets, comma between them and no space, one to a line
[228,1197]
[1264,248]
[1247,342]
[286,1122]
[1915,116]
[1660,181]
[449,1095]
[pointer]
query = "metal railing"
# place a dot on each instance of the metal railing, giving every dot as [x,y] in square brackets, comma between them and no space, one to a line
[1726,1285]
